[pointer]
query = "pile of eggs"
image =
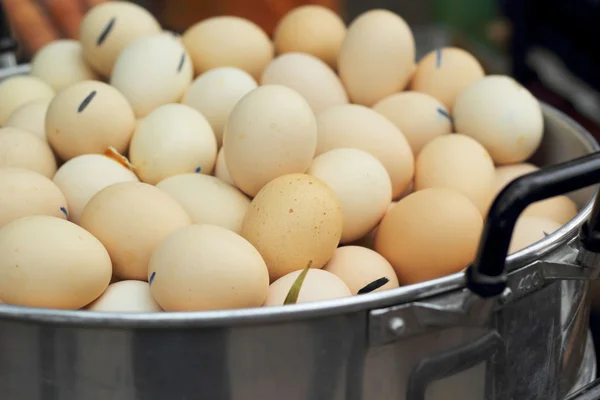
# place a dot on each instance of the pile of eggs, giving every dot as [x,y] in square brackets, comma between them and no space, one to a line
[143,171]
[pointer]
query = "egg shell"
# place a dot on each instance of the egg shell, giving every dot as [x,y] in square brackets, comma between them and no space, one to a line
[508,173]
[377,56]
[271,132]
[309,76]
[24,193]
[208,200]
[228,41]
[206,267]
[311,29]
[318,285]
[52,263]
[60,63]
[429,234]
[87,118]
[361,184]
[529,230]
[131,219]
[20,90]
[126,297]
[216,92]
[293,220]
[355,126]
[419,116]
[20,149]
[152,71]
[221,170]
[457,162]
[358,266]
[503,116]
[109,27]
[445,72]
[82,177]
[31,117]
[172,140]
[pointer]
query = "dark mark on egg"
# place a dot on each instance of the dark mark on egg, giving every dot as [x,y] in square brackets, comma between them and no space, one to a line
[374,285]
[545,234]
[444,114]
[197,170]
[86,102]
[438,61]
[106,31]
[181,63]
[152,278]
[64,211]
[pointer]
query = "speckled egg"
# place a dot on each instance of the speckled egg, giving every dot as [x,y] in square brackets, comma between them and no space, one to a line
[125,297]
[20,90]
[22,149]
[31,117]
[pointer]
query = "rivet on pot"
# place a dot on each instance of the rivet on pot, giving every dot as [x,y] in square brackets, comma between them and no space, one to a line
[397,326]
[506,296]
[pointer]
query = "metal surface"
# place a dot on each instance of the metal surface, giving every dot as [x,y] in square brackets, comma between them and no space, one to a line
[328,350]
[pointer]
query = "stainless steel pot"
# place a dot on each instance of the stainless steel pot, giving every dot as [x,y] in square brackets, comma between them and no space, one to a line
[522,337]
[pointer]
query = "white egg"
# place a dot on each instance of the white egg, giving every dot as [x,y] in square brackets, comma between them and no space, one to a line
[126,296]
[31,117]
[20,90]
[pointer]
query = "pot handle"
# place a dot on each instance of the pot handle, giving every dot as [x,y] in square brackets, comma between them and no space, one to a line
[486,276]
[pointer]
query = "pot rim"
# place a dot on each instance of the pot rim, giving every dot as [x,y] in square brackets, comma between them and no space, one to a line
[253,316]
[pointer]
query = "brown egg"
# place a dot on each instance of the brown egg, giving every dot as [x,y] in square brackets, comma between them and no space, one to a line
[31,117]
[318,285]
[109,27]
[20,149]
[20,90]
[88,117]
[444,73]
[354,126]
[311,29]
[457,162]
[206,267]
[377,56]
[508,173]
[60,64]
[310,77]
[126,296]
[173,139]
[293,220]
[358,266]
[208,200]
[361,184]
[529,230]
[131,219]
[228,41]
[429,234]
[216,92]
[271,132]
[24,193]
[221,170]
[52,263]
[419,116]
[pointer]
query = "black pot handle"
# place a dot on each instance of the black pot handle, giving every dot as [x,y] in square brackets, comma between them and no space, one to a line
[486,276]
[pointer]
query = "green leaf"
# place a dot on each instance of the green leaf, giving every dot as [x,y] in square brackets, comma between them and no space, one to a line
[292,295]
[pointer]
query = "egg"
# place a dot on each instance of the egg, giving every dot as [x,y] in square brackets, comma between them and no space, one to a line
[20,90]
[108,28]
[22,149]
[429,234]
[206,267]
[503,116]
[171,140]
[361,184]
[60,63]
[358,267]
[271,132]
[51,263]
[355,126]
[318,285]
[419,116]
[529,230]
[24,193]
[31,117]
[208,200]
[216,92]
[131,219]
[457,162]
[311,29]
[82,177]
[377,56]
[309,76]
[445,72]
[87,118]
[152,71]
[295,219]
[505,174]
[228,41]
[126,296]
[221,170]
